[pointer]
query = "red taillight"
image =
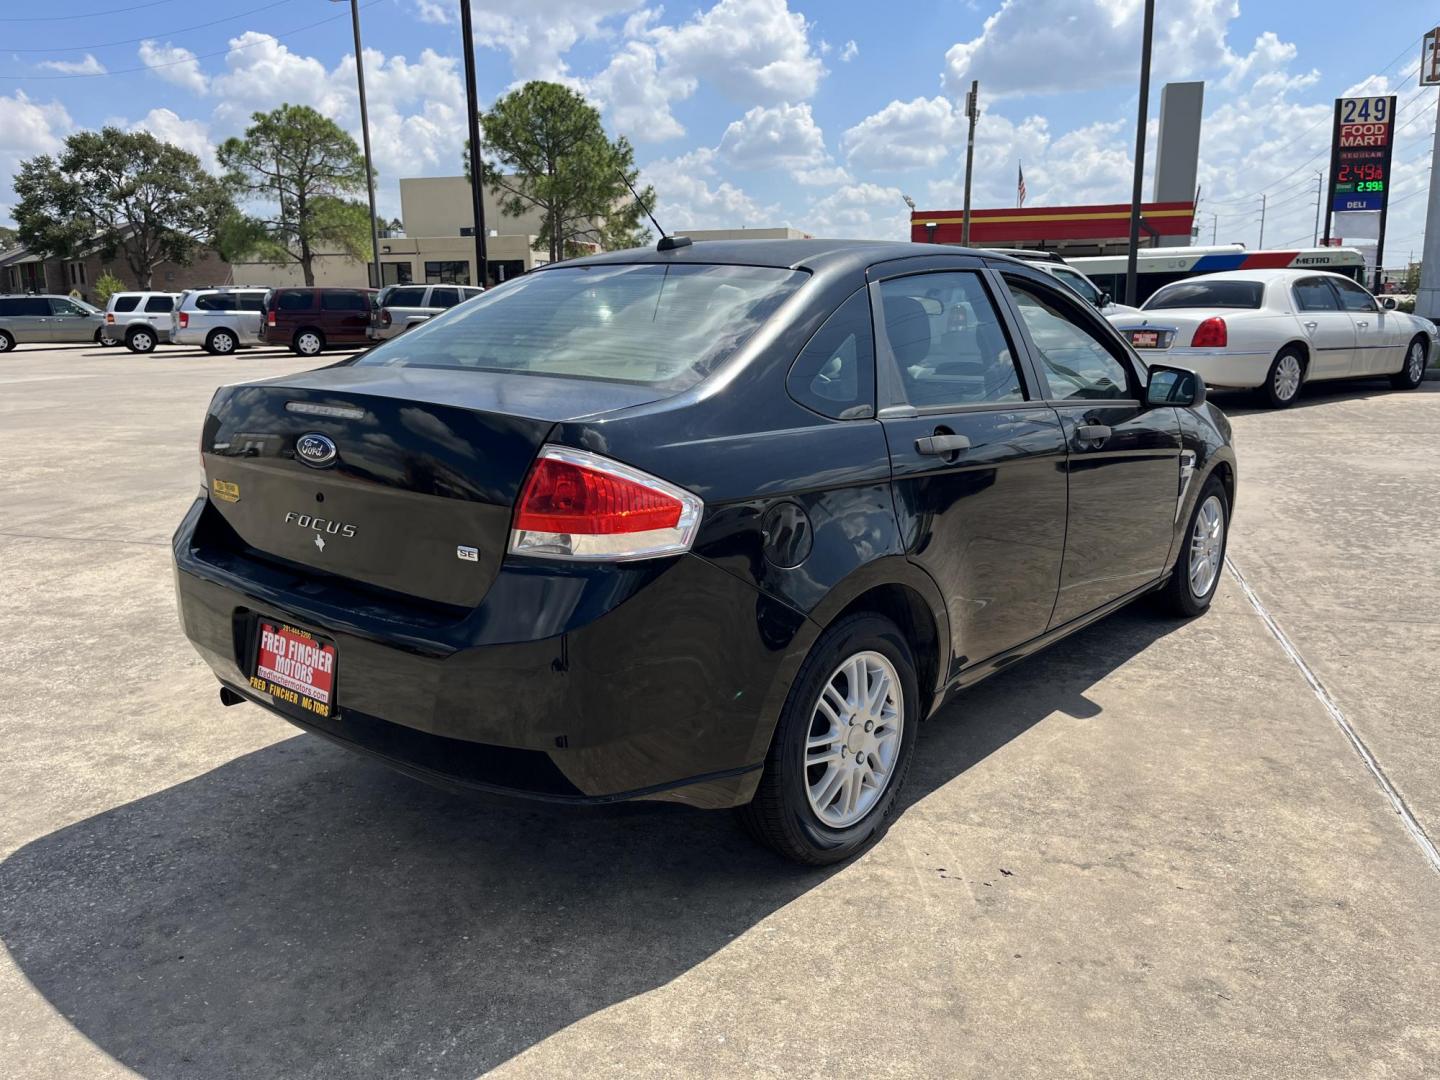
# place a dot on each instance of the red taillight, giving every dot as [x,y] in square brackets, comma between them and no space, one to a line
[1211,334]
[110,317]
[270,318]
[577,505]
[184,319]
[385,316]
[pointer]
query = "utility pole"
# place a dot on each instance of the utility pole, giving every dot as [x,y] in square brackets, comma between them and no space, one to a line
[1261,245]
[1319,190]
[1214,228]
[375,277]
[1427,301]
[472,109]
[1132,259]
[972,110]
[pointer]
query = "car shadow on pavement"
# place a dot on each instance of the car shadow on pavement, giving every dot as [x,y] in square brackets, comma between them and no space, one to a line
[302,911]
[1246,402]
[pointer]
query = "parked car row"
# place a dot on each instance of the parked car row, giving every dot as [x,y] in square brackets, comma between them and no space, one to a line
[223,319]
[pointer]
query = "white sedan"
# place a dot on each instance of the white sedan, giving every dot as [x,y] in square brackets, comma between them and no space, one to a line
[1276,329]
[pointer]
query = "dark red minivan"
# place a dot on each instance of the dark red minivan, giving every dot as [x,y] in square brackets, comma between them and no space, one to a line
[309,320]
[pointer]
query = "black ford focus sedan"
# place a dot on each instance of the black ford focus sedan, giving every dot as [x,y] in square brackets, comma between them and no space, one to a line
[718,524]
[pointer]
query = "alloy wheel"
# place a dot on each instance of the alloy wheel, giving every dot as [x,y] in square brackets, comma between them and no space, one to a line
[222,342]
[1207,546]
[853,744]
[4,343]
[141,342]
[1415,363]
[1287,377]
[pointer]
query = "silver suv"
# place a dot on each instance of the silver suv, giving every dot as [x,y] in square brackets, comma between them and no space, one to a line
[220,320]
[140,319]
[46,320]
[399,307]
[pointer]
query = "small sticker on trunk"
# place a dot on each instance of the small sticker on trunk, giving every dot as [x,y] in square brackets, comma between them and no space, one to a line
[225,491]
[469,554]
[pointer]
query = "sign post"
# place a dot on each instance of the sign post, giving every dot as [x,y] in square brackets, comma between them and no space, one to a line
[1360,147]
[1427,302]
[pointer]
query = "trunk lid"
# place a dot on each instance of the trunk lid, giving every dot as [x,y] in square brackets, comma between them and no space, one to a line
[426,469]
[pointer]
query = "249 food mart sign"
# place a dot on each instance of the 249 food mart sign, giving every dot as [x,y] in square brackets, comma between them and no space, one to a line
[1360,152]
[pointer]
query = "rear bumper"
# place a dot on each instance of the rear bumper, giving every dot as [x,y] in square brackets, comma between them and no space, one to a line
[1218,367]
[588,685]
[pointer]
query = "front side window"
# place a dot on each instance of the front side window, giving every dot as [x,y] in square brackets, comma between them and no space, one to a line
[1079,284]
[948,341]
[657,325]
[1315,294]
[1352,297]
[126,303]
[250,301]
[448,272]
[835,371]
[1078,365]
[66,307]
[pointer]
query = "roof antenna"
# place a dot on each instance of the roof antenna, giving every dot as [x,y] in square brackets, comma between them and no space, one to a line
[667,243]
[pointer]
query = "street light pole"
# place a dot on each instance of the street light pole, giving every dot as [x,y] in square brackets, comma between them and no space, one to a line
[472,110]
[375,277]
[1132,259]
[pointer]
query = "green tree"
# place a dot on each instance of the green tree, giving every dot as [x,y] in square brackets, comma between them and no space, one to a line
[554,157]
[106,286]
[306,168]
[8,238]
[1411,283]
[125,192]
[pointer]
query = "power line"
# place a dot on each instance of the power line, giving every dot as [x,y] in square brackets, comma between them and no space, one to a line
[150,37]
[87,15]
[265,39]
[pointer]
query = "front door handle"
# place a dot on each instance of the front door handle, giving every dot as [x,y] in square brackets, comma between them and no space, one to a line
[1362,323]
[1092,432]
[941,444]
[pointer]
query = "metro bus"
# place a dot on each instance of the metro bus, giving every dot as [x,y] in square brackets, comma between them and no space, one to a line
[1156,267]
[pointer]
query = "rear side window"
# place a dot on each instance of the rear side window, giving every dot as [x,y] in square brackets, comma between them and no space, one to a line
[160,303]
[215,302]
[471,293]
[294,301]
[251,301]
[406,298]
[444,298]
[1208,294]
[665,326]
[344,301]
[948,342]
[25,305]
[1315,294]
[835,372]
[126,303]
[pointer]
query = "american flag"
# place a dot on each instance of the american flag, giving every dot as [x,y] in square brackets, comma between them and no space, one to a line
[1020,187]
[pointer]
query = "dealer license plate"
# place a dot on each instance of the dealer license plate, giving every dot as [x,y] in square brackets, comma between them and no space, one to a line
[1145,339]
[294,667]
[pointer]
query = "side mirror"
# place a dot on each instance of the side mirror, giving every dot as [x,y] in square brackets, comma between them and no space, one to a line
[1175,386]
[1106,300]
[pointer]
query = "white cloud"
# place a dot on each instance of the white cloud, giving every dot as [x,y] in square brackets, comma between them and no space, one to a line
[176,65]
[783,137]
[637,94]
[30,128]
[750,50]
[1060,46]
[822,176]
[687,200]
[88,66]
[538,33]
[438,14]
[192,135]
[904,135]
[849,52]
[860,211]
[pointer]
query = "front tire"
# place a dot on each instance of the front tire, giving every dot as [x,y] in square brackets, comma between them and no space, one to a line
[1202,554]
[7,342]
[1413,373]
[220,343]
[842,747]
[1282,383]
[140,341]
[308,342]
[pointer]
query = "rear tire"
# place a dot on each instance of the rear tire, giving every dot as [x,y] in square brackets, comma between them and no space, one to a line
[220,343]
[1413,373]
[822,741]
[308,342]
[6,342]
[1197,572]
[140,340]
[1283,382]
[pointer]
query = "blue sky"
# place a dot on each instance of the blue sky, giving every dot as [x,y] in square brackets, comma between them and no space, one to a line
[758,112]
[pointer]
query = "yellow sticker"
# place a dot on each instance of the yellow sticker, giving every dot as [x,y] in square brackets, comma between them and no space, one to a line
[225,491]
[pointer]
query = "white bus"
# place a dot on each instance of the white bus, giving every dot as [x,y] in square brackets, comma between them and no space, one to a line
[1161,266]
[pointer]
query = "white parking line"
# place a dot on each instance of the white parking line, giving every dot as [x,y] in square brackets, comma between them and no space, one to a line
[1412,826]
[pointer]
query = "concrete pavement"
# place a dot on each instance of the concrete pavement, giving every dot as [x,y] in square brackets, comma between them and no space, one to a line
[1149,852]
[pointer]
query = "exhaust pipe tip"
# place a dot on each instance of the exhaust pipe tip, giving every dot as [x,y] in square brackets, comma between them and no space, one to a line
[229,697]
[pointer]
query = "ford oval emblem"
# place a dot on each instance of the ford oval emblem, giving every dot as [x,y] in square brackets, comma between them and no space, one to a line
[316,450]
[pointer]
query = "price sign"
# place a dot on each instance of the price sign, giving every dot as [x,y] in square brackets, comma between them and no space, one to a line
[1360,152]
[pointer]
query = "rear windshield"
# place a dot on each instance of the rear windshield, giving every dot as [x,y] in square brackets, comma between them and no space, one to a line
[1208,294]
[664,326]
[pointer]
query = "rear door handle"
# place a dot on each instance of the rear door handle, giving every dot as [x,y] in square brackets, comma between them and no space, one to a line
[1092,432]
[941,444]
[1311,325]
